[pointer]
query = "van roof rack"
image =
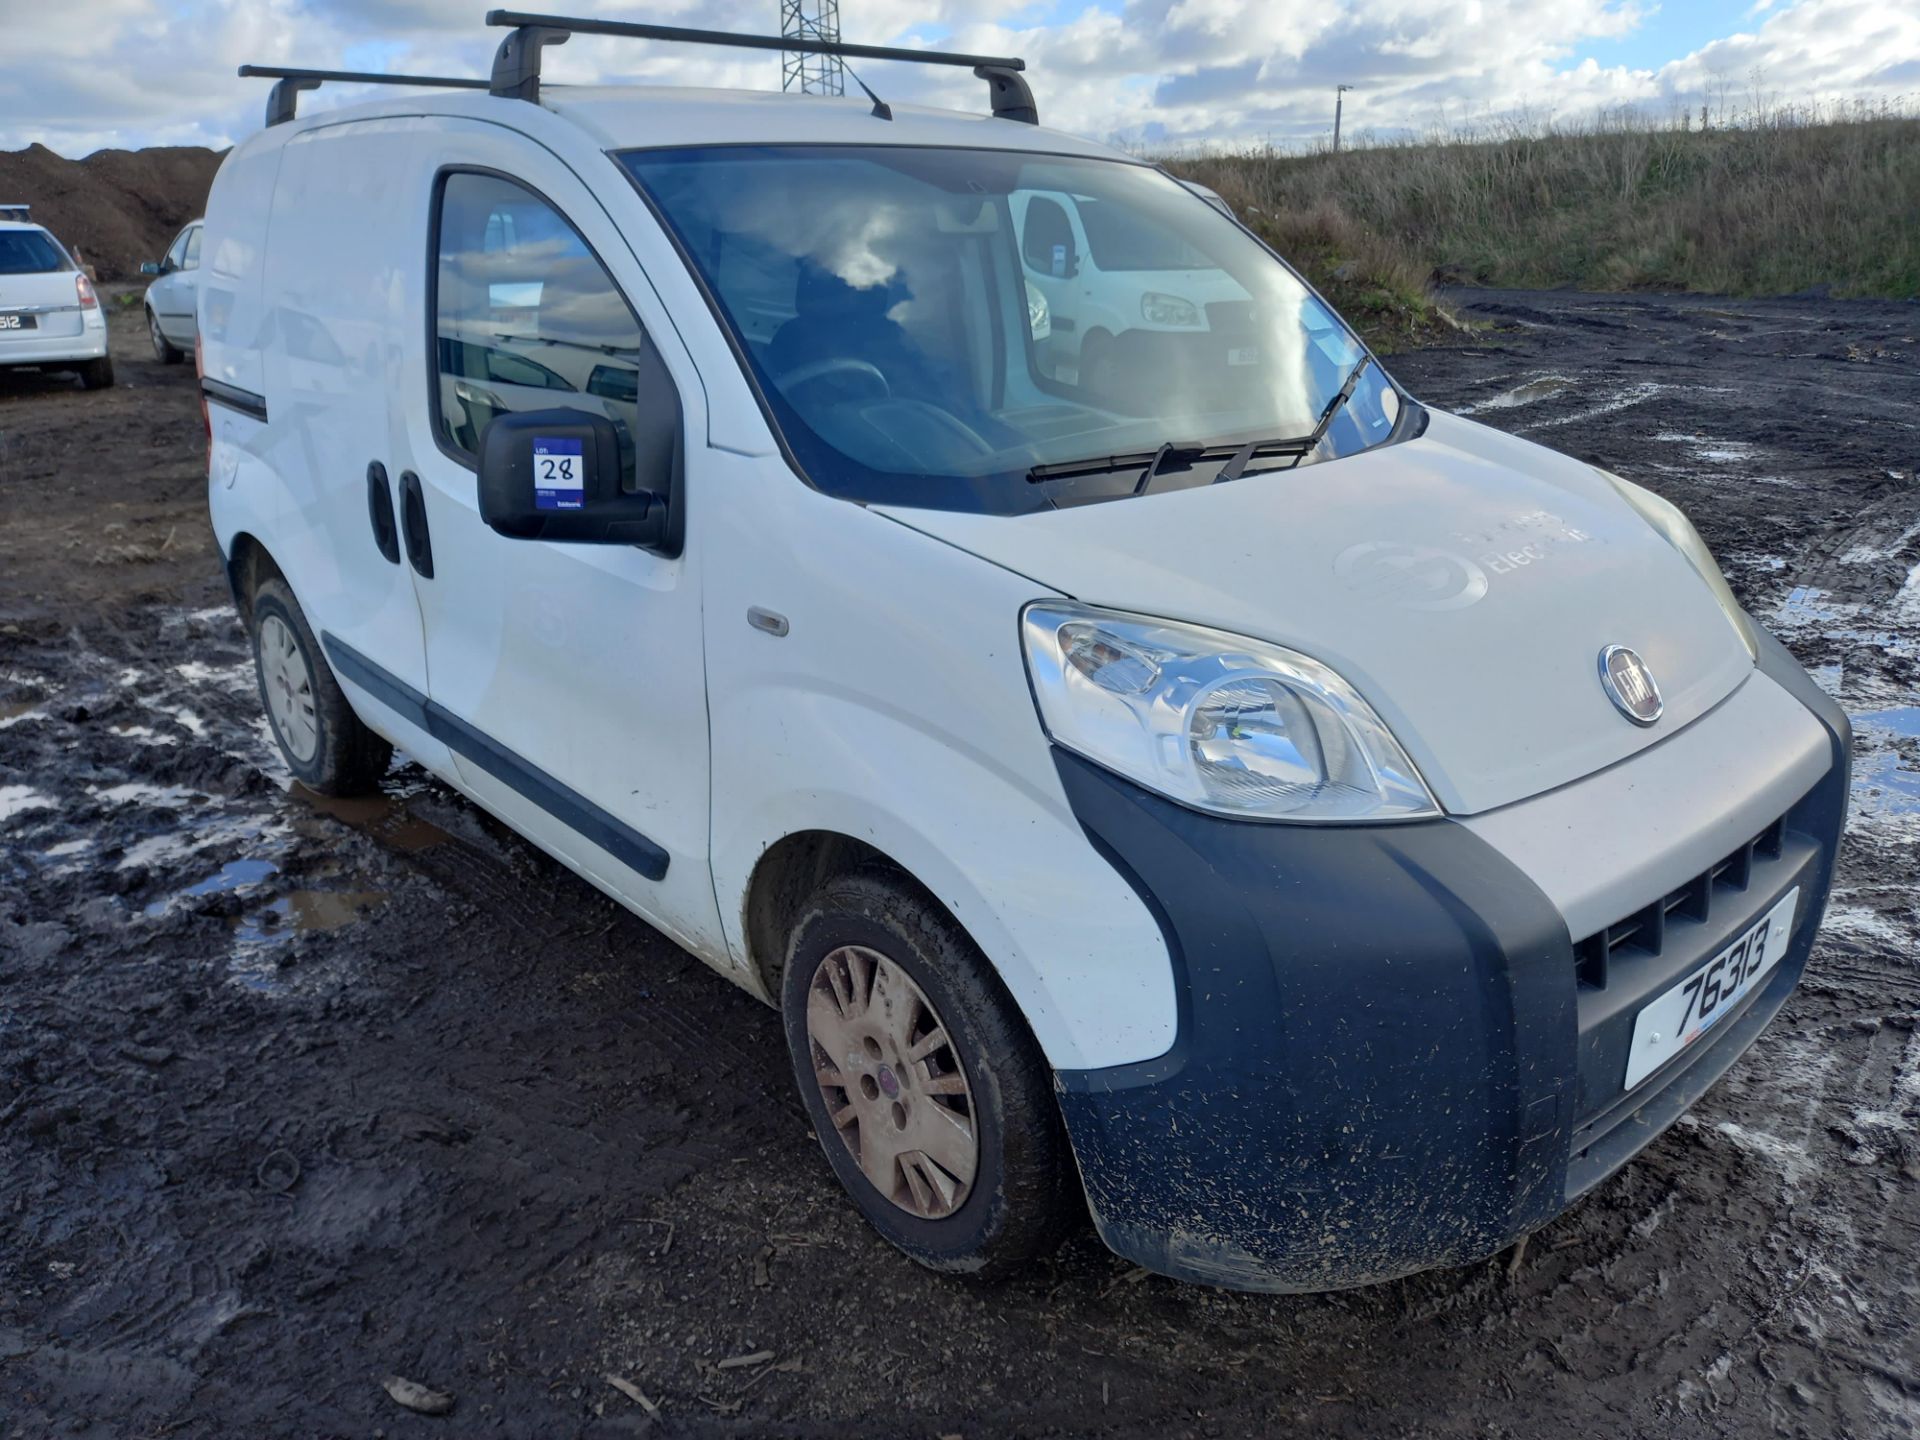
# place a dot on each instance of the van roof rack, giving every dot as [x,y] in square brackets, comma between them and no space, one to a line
[516,67]
[283,101]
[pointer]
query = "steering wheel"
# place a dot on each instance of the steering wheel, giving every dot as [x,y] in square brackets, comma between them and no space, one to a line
[837,365]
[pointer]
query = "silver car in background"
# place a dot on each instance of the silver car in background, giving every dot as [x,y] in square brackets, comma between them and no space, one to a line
[171,298]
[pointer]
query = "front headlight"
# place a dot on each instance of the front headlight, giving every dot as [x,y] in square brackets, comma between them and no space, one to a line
[1217,721]
[1039,316]
[1678,531]
[1170,311]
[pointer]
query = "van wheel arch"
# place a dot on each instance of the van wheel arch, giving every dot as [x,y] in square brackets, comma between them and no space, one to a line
[248,563]
[788,874]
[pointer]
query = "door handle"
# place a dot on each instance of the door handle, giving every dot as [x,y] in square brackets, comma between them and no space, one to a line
[413,525]
[386,534]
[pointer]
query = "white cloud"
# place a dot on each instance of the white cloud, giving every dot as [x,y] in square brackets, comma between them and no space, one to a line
[87,73]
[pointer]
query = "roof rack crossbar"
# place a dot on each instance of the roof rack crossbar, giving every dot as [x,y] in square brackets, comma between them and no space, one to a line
[283,100]
[516,69]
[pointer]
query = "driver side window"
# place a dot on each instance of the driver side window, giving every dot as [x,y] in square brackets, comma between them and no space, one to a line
[527,318]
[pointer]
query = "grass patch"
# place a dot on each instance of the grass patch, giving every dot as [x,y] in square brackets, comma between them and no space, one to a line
[1780,203]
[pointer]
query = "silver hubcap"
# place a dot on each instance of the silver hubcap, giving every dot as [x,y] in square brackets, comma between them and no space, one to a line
[893,1083]
[289,685]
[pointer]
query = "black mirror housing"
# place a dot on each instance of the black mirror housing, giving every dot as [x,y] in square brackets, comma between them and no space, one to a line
[557,475]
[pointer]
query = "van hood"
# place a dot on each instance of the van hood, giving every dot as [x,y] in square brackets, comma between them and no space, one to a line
[1465,582]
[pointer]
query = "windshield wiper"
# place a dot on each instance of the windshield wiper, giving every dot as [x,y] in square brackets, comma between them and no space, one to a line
[1153,463]
[1340,397]
[1147,461]
[1300,447]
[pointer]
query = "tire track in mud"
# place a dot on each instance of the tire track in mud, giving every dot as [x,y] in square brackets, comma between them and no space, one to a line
[153,768]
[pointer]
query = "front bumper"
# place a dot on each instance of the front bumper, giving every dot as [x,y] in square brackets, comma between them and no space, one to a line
[1387,1056]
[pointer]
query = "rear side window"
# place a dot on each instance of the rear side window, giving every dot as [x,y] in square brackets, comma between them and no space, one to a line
[29,252]
[526,318]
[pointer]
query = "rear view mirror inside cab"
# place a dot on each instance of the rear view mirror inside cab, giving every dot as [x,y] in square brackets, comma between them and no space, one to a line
[561,475]
[967,215]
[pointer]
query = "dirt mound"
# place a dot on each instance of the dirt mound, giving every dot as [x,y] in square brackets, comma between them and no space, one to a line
[119,207]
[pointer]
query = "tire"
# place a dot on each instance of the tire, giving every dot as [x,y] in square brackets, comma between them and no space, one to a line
[1095,363]
[1024,1194]
[164,350]
[320,738]
[96,374]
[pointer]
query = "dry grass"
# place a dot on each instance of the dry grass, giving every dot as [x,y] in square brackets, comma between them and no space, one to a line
[1782,201]
[1369,276]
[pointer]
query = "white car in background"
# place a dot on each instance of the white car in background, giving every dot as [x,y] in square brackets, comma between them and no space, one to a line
[172,296]
[50,317]
[1121,298]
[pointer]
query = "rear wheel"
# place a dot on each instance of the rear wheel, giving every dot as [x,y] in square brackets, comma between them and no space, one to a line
[930,1097]
[164,350]
[321,739]
[97,374]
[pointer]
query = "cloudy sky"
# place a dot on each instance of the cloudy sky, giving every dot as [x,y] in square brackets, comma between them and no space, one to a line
[79,75]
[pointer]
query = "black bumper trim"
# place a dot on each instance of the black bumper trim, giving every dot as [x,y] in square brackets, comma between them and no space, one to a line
[1371,1072]
[1377,1063]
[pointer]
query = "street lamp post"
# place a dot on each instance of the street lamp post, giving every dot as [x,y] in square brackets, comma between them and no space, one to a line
[1339,92]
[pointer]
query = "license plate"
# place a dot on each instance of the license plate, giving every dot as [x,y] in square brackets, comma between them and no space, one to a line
[17,321]
[1694,1006]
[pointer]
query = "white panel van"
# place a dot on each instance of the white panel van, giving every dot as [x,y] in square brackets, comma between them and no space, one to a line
[1318,836]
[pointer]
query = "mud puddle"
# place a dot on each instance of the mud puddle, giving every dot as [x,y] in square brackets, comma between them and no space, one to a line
[1528,392]
[160,779]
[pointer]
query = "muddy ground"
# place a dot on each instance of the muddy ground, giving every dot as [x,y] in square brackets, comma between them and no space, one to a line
[295,1096]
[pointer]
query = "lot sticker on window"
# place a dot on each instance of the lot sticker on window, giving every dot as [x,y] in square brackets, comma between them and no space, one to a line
[559,475]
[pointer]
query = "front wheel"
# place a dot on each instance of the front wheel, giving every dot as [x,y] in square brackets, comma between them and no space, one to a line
[929,1095]
[321,739]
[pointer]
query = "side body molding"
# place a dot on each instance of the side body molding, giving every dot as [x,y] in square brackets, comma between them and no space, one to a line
[566,805]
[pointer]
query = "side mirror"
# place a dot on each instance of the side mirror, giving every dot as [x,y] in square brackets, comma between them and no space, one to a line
[557,475]
[150,267]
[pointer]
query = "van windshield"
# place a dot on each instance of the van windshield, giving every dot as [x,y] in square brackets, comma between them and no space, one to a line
[963,329]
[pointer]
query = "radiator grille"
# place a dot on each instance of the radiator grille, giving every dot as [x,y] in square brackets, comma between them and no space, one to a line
[1645,931]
